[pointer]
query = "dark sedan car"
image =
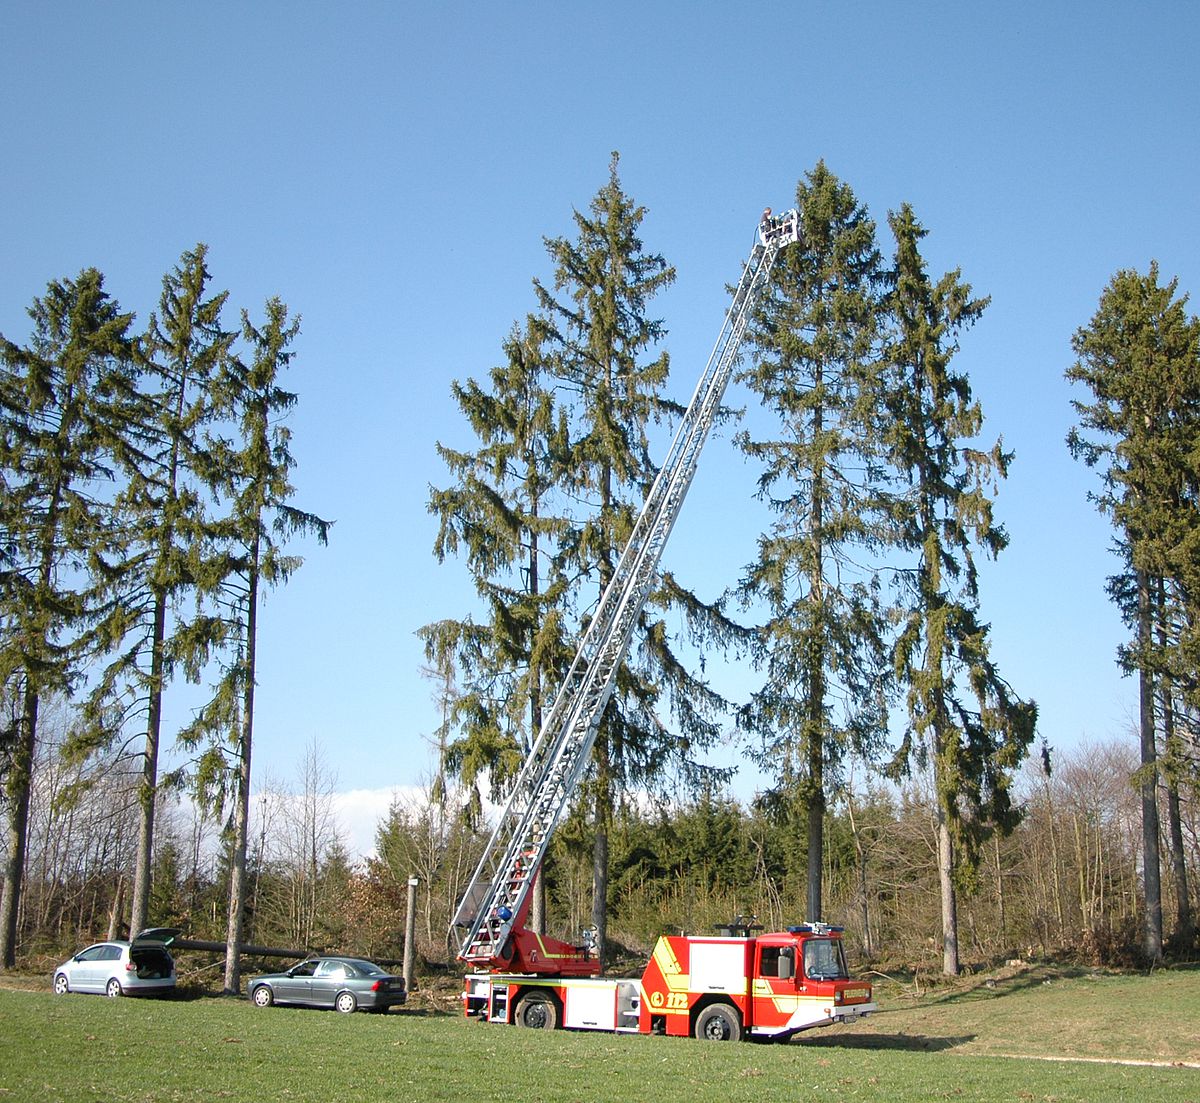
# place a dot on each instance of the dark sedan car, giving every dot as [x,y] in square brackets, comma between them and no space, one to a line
[343,983]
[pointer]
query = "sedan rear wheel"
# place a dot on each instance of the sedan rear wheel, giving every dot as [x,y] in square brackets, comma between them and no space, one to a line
[262,996]
[345,1002]
[113,988]
[61,985]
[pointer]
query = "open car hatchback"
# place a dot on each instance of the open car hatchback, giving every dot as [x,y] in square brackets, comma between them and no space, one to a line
[143,966]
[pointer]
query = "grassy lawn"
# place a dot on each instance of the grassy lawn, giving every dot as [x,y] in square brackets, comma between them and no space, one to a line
[1047,1012]
[970,1043]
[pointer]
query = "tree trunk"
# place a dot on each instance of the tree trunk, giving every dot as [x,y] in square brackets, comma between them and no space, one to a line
[17,786]
[148,790]
[816,830]
[1001,903]
[537,911]
[1184,932]
[114,914]
[1054,865]
[237,873]
[950,963]
[603,814]
[815,705]
[1151,876]
[864,907]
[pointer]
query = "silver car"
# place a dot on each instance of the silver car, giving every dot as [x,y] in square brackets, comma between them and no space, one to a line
[343,983]
[120,968]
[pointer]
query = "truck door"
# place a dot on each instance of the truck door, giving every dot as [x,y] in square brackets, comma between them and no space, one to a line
[775,986]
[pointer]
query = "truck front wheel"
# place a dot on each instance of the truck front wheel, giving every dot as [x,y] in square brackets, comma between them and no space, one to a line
[537,1010]
[718,1023]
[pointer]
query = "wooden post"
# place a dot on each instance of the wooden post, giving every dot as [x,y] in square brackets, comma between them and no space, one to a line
[114,916]
[410,934]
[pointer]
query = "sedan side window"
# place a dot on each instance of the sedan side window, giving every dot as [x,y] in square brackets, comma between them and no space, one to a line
[332,969]
[92,953]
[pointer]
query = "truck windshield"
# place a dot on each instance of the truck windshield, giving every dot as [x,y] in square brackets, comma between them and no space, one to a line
[824,960]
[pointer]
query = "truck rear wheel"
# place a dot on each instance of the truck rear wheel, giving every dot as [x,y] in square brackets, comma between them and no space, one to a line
[537,1010]
[718,1023]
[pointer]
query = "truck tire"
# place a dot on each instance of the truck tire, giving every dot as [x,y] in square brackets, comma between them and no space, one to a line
[537,1010]
[718,1023]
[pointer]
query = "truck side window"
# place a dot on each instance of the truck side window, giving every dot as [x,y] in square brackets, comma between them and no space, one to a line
[777,961]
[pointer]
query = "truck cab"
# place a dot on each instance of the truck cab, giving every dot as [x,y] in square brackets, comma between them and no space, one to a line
[741,983]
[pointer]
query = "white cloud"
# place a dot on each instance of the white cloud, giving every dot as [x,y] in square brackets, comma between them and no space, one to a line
[360,812]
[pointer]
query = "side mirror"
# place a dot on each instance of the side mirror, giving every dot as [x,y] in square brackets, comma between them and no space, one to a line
[787,967]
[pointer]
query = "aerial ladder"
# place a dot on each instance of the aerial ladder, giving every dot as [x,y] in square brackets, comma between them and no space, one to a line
[496,903]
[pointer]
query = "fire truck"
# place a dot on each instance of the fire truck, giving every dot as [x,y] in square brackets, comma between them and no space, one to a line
[733,984]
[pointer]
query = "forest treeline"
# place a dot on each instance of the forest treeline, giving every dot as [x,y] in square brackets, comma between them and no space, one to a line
[146,500]
[1066,883]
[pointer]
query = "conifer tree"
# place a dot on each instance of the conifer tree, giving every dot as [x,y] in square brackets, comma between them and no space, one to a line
[604,342]
[497,515]
[260,521]
[821,645]
[1140,359]
[65,401]
[165,528]
[962,715]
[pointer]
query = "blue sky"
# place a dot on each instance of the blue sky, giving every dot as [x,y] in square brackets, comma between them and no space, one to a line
[390,170]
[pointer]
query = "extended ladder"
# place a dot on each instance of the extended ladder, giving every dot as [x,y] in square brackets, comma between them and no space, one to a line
[497,897]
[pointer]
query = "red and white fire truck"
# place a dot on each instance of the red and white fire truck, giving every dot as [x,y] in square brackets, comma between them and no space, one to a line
[736,983]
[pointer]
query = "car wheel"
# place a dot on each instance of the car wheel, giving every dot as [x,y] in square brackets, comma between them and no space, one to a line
[113,988]
[262,996]
[718,1023]
[61,985]
[537,1010]
[345,1002]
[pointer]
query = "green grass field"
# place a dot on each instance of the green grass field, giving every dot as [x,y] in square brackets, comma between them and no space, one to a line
[971,1042]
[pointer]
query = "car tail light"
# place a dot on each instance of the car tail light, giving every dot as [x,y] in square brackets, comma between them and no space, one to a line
[130,967]
[377,986]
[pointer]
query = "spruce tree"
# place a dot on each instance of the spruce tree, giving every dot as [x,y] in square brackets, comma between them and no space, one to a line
[497,515]
[961,714]
[65,401]
[166,531]
[1140,359]
[604,343]
[820,646]
[260,520]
